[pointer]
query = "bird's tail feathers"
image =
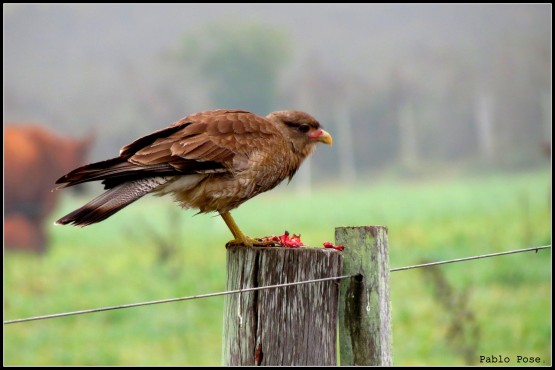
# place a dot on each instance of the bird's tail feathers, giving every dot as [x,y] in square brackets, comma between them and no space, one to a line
[111,202]
[113,171]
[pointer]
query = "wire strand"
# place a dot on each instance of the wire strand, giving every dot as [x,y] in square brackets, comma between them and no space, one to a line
[470,258]
[264,287]
[173,300]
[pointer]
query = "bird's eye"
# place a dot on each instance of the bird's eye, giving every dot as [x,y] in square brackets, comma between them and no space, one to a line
[304,128]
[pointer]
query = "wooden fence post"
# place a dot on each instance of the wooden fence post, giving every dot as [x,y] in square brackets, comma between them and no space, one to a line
[364,308]
[295,325]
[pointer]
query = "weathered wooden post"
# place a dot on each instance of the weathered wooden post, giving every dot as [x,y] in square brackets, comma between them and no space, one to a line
[364,307]
[294,325]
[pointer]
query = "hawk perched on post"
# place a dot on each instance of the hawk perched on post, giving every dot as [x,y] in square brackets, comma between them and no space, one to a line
[211,161]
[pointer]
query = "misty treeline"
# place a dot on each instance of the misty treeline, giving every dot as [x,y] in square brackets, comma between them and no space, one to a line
[481,99]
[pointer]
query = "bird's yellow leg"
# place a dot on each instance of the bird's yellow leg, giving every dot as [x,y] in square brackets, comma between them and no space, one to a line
[240,238]
[237,233]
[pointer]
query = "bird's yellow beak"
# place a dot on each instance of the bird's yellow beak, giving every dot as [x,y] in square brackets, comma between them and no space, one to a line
[322,136]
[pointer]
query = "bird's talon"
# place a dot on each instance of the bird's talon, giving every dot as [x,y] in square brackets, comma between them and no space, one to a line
[250,242]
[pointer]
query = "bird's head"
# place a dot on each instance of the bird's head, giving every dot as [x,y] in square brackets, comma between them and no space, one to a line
[302,130]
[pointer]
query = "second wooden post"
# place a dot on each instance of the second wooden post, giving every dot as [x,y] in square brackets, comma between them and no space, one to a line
[364,311]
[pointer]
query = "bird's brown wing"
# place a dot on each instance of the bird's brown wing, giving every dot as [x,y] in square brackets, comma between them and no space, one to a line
[224,137]
[206,142]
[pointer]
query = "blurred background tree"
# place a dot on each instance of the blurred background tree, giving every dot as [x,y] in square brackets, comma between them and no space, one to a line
[240,62]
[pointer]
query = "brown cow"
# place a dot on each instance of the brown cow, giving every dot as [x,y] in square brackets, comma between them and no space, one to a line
[22,233]
[33,159]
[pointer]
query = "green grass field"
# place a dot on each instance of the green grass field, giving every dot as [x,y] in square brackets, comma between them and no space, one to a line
[450,315]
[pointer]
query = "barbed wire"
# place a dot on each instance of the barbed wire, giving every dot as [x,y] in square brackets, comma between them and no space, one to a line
[81,312]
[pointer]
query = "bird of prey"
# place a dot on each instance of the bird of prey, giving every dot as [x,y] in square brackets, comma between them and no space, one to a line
[212,161]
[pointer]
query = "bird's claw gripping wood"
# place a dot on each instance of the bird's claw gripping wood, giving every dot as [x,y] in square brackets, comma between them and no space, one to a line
[240,238]
[249,242]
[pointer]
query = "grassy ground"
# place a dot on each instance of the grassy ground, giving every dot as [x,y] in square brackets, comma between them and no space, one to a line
[449,315]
